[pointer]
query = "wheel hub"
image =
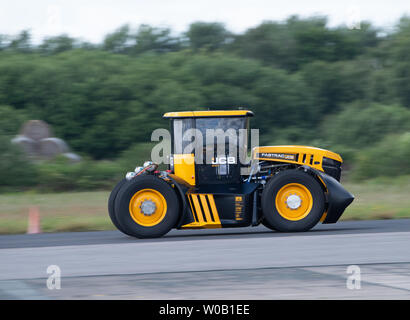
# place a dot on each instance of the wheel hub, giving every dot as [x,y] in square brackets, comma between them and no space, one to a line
[293,201]
[148,207]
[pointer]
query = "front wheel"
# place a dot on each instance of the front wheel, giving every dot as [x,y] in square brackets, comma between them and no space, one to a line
[147,207]
[292,201]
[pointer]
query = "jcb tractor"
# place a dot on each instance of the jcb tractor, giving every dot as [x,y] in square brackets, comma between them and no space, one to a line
[286,188]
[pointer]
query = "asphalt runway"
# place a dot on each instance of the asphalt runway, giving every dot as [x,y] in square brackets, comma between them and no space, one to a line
[246,263]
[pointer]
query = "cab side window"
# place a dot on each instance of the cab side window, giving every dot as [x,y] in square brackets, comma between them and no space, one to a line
[180,128]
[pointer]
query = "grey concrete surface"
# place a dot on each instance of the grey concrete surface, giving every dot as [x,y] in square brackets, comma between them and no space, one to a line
[212,265]
[384,281]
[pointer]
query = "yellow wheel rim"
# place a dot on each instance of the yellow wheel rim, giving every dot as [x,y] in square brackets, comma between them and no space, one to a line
[148,207]
[294,201]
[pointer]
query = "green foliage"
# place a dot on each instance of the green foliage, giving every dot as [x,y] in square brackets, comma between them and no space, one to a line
[11,120]
[17,173]
[61,175]
[399,53]
[15,169]
[389,157]
[135,156]
[145,39]
[337,83]
[55,45]
[209,36]
[117,41]
[360,125]
[348,153]
[22,42]
[296,42]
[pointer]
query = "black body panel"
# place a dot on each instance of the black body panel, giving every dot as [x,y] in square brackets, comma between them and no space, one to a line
[186,216]
[234,202]
[208,174]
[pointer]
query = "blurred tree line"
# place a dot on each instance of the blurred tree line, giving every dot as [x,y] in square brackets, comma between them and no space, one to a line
[347,90]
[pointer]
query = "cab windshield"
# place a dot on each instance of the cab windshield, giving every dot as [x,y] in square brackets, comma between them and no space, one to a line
[202,124]
[215,132]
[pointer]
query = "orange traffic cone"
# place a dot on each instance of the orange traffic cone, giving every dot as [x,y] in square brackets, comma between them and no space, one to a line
[33,220]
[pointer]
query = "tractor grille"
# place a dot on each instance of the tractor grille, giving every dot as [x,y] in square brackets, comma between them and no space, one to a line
[332,167]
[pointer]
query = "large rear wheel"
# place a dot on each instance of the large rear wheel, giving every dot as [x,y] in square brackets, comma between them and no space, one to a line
[292,201]
[147,207]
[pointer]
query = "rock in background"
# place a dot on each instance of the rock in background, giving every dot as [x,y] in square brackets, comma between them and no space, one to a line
[36,140]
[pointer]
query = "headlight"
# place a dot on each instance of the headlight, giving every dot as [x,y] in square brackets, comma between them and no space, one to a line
[138,169]
[147,163]
[152,166]
[130,175]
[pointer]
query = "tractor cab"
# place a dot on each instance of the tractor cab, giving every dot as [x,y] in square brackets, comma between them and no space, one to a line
[209,147]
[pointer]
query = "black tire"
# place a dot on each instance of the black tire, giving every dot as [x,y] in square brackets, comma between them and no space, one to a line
[267,224]
[123,214]
[111,205]
[274,220]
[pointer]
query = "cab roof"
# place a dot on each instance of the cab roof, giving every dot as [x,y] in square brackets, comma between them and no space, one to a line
[208,113]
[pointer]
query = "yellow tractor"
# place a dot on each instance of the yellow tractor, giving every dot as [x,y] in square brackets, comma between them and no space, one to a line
[286,188]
